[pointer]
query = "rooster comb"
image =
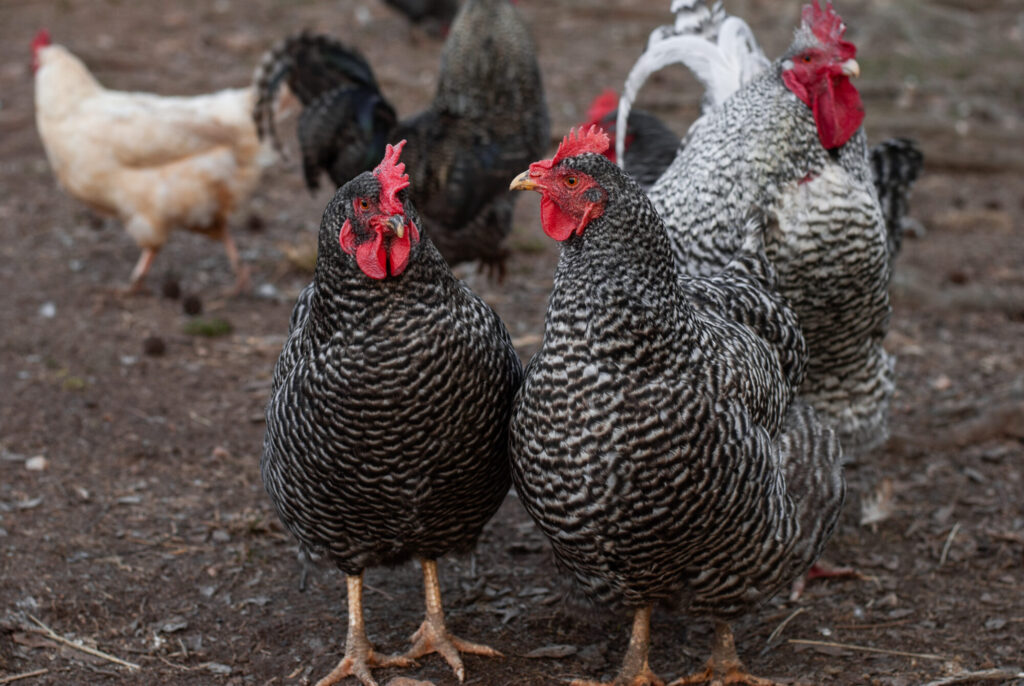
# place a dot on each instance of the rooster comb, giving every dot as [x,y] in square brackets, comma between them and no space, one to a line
[826,24]
[392,177]
[585,139]
[41,40]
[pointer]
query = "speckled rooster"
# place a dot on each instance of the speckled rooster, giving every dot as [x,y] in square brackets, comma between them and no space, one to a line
[656,440]
[388,420]
[487,121]
[787,137]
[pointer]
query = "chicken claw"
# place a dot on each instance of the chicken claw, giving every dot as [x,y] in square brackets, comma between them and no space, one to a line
[724,667]
[360,656]
[433,636]
[634,671]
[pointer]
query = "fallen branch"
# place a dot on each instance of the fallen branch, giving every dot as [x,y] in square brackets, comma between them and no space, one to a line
[866,649]
[24,675]
[54,636]
[983,675]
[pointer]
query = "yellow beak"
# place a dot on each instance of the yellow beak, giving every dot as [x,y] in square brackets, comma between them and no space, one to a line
[851,68]
[397,224]
[523,182]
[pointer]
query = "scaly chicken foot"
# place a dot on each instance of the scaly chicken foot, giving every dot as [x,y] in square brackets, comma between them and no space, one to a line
[360,656]
[724,667]
[635,670]
[433,636]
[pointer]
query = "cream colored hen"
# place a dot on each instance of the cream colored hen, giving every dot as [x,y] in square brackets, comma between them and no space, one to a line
[157,163]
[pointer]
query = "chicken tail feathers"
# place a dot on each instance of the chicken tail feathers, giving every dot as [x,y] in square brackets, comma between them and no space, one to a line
[311,65]
[718,48]
[895,164]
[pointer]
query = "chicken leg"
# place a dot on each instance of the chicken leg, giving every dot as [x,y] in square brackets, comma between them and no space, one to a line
[240,270]
[634,671]
[360,656]
[433,636]
[724,667]
[140,270]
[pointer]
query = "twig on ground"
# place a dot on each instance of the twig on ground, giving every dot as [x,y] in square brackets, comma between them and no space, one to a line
[948,543]
[24,675]
[876,625]
[53,635]
[866,649]
[778,630]
[983,675]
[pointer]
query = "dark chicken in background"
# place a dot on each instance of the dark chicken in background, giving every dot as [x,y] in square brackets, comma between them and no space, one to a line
[657,439]
[487,121]
[433,15]
[387,426]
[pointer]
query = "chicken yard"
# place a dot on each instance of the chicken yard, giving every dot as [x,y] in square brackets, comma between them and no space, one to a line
[139,545]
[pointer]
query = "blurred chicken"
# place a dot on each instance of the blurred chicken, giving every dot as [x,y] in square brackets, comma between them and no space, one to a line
[157,163]
[487,120]
[435,16]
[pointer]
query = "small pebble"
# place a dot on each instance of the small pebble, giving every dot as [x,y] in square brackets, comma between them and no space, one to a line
[37,463]
[192,305]
[154,345]
[48,310]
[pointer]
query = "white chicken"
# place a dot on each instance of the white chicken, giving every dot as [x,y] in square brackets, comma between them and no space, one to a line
[155,162]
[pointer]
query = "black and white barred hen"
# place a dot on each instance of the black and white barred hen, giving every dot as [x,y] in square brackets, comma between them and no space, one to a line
[656,440]
[488,120]
[388,421]
[790,142]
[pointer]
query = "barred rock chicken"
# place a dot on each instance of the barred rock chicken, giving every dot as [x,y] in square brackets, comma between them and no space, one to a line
[789,141]
[651,146]
[155,162]
[488,120]
[387,425]
[656,440]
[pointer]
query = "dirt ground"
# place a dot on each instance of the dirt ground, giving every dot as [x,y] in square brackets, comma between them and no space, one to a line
[132,516]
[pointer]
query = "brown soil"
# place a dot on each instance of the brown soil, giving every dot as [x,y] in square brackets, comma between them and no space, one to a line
[148,536]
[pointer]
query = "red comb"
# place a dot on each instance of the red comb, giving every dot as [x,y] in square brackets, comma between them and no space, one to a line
[602,106]
[824,22]
[391,174]
[592,139]
[41,40]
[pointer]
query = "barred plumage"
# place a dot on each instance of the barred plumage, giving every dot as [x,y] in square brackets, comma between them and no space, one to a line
[387,426]
[655,440]
[762,148]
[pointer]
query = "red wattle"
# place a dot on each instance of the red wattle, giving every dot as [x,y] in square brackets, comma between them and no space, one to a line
[399,254]
[372,258]
[554,221]
[838,111]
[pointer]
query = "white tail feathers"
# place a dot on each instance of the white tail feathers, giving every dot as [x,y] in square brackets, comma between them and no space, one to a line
[719,49]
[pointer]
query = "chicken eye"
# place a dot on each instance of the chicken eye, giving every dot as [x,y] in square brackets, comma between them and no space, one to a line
[806,59]
[362,204]
[571,181]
